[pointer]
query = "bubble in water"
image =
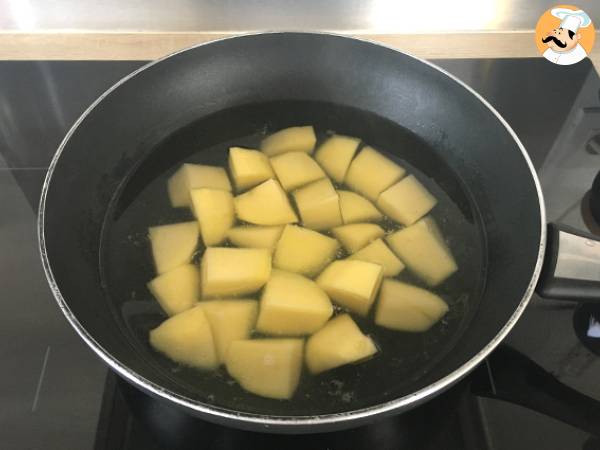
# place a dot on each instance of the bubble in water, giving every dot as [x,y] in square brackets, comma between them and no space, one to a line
[335,387]
[347,397]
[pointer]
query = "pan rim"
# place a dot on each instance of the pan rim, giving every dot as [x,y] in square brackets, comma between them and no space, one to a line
[296,423]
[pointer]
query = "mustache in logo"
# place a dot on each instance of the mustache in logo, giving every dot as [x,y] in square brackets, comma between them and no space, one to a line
[555,40]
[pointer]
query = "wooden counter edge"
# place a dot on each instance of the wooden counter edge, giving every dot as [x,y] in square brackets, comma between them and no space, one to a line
[74,45]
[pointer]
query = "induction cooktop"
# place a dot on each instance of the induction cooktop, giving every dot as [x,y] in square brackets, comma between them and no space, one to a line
[56,394]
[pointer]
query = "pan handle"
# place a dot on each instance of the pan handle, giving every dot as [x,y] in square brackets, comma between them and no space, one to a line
[517,379]
[571,268]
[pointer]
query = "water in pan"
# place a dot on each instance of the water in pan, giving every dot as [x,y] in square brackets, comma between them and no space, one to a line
[404,357]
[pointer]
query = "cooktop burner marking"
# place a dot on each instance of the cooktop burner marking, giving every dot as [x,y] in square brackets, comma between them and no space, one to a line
[40,381]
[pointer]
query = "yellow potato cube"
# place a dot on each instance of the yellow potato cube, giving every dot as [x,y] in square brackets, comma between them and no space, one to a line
[230,320]
[335,155]
[356,208]
[406,201]
[295,169]
[292,305]
[234,271]
[173,245]
[421,247]
[379,253]
[318,204]
[265,204]
[352,284]
[255,236]
[357,235]
[266,367]
[293,139]
[338,343]
[370,173]
[214,210]
[177,289]
[187,339]
[408,308]
[248,167]
[195,176]
[304,251]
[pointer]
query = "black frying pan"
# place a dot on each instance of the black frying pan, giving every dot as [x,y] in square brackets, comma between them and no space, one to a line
[105,186]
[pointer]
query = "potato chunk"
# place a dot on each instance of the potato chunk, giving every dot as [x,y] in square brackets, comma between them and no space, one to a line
[255,236]
[295,169]
[266,367]
[406,201]
[318,204]
[177,289]
[379,253]
[195,176]
[173,245]
[234,271]
[214,210]
[292,305]
[304,251]
[335,155]
[248,167]
[422,248]
[356,208]
[352,284]
[371,173]
[266,204]
[357,235]
[187,339]
[293,139]
[408,308]
[230,320]
[338,343]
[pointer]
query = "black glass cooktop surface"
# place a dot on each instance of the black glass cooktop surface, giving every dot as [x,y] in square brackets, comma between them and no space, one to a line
[56,394]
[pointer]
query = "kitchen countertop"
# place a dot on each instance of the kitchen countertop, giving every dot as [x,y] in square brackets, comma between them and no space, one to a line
[79,45]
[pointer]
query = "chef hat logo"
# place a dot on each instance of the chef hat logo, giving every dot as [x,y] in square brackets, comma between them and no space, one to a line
[571,20]
[565,35]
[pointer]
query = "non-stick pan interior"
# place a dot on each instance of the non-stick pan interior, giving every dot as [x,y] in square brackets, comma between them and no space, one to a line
[126,263]
[108,187]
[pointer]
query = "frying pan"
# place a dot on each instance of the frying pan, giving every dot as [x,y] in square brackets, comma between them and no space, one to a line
[105,186]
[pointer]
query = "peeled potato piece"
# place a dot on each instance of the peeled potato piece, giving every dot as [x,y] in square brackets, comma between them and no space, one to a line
[266,204]
[255,236]
[318,204]
[248,167]
[293,139]
[351,283]
[356,208]
[234,271]
[421,247]
[187,339]
[335,155]
[295,169]
[379,253]
[214,210]
[230,320]
[195,176]
[266,367]
[292,305]
[406,201]
[370,173]
[304,251]
[408,308]
[177,289]
[357,235]
[338,343]
[173,245]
